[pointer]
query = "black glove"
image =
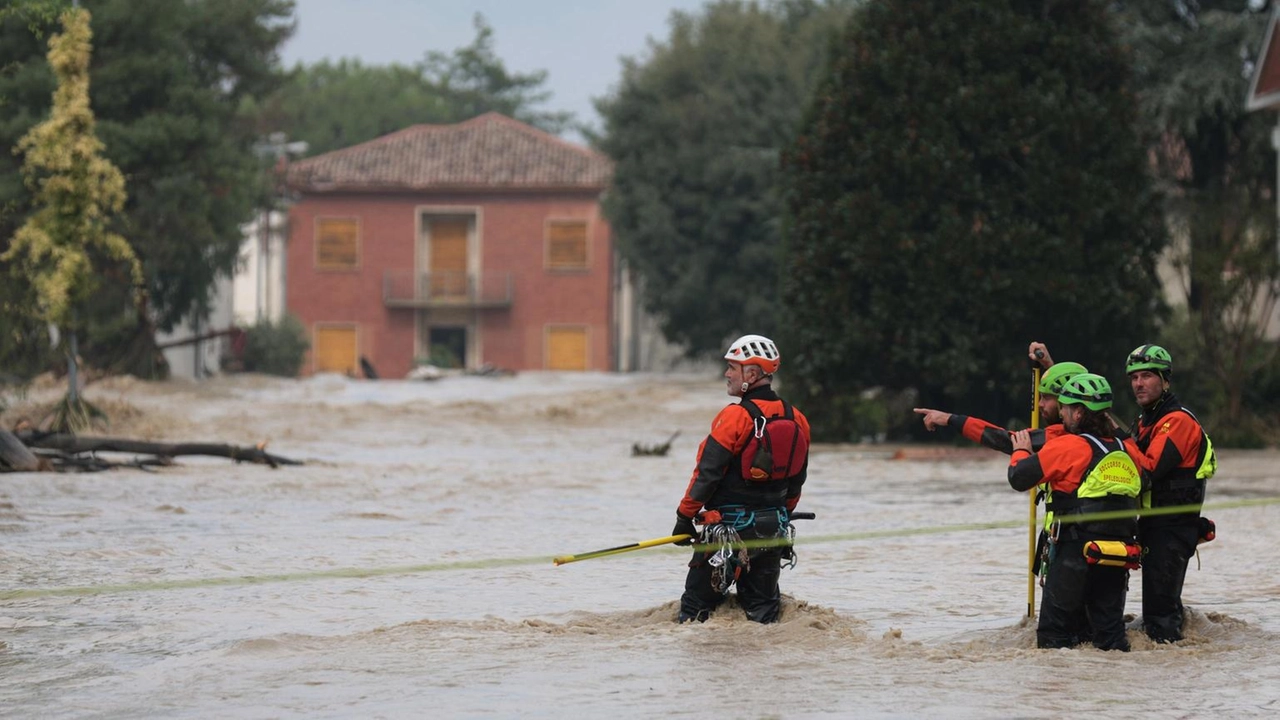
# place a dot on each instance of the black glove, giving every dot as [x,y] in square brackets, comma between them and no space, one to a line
[684,526]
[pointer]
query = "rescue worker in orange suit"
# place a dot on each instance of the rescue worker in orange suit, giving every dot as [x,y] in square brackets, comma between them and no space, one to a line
[1088,471]
[734,488]
[1177,457]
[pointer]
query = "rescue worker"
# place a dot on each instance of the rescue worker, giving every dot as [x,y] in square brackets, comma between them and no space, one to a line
[747,480]
[1088,471]
[1177,457]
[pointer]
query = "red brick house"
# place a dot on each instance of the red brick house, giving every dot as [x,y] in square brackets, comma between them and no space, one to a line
[465,245]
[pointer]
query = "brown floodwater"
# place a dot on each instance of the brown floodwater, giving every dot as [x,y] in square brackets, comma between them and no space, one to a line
[405,571]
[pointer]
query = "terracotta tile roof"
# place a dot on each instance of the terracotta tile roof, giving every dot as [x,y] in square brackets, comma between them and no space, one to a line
[489,152]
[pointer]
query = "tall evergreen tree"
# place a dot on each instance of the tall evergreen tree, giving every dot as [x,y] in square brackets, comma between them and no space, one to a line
[24,340]
[474,80]
[170,78]
[332,105]
[696,129]
[968,177]
[66,245]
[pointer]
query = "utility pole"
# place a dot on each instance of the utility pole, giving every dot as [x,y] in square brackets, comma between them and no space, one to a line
[274,149]
[1275,145]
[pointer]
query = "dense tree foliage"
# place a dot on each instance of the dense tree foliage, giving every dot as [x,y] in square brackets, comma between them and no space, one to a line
[696,129]
[169,78]
[276,348]
[25,340]
[76,192]
[39,13]
[333,105]
[66,246]
[1218,171]
[969,177]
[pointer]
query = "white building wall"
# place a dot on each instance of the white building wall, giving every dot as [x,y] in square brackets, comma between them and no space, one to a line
[200,358]
[255,292]
[640,344]
[258,288]
[1175,282]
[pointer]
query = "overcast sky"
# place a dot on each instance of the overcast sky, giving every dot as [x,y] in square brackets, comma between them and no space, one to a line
[578,42]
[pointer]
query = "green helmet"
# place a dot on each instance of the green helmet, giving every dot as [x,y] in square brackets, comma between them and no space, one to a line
[1092,391]
[1054,378]
[1149,357]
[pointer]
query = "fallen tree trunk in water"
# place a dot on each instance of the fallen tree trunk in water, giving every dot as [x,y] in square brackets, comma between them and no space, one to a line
[76,444]
[59,461]
[15,454]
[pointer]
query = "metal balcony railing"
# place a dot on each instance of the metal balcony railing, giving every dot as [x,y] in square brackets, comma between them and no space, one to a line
[409,289]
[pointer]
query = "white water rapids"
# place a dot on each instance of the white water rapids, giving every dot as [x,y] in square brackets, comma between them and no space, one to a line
[224,595]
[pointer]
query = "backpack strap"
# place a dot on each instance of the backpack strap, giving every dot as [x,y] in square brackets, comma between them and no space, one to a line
[754,410]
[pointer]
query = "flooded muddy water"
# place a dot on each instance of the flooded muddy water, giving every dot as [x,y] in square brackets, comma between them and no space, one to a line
[405,571]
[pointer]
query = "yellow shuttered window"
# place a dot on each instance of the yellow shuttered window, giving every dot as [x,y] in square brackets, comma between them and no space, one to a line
[567,347]
[335,349]
[449,257]
[337,243]
[567,245]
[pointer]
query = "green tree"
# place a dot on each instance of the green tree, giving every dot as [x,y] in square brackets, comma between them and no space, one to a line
[24,340]
[66,245]
[339,104]
[695,130]
[474,81]
[1217,168]
[967,178]
[37,12]
[170,79]
[336,105]
[276,348]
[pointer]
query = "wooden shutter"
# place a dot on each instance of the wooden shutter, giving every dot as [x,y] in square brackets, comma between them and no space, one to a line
[567,245]
[567,348]
[449,257]
[335,349]
[337,243]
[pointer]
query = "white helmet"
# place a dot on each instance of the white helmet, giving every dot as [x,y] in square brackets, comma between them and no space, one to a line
[755,350]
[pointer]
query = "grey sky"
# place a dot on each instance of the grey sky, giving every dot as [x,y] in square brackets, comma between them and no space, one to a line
[578,42]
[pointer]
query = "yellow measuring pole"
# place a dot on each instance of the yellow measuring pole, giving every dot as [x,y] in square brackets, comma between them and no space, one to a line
[620,549]
[1031,498]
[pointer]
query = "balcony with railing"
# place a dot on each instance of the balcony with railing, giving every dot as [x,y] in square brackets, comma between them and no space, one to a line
[408,289]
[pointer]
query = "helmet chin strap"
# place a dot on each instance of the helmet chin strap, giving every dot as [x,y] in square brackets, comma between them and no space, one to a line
[746,386]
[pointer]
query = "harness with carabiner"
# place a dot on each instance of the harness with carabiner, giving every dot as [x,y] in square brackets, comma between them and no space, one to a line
[731,556]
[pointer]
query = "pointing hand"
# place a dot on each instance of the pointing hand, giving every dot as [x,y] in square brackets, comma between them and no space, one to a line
[934,419]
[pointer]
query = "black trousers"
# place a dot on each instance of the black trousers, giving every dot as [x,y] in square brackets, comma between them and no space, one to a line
[1169,545]
[758,592]
[1082,598]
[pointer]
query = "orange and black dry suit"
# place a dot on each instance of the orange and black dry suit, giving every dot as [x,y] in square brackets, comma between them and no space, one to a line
[1085,475]
[1177,457]
[761,508]
[998,438]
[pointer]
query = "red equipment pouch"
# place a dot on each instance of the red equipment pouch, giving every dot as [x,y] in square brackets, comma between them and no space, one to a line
[1208,530]
[1113,553]
[709,517]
